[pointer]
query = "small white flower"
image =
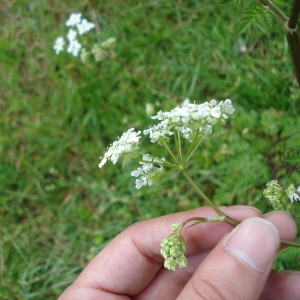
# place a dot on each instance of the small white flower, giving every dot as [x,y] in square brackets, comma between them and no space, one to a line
[149,109]
[228,107]
[126,146]
[84,26]
[148,172]
[74,19]
[186,101]
[158,133]
[71,35]
[215,112]
[292,193]
[59,45]
[190,119]
[74,48]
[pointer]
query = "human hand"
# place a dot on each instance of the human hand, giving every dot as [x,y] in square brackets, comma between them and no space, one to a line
[223,263]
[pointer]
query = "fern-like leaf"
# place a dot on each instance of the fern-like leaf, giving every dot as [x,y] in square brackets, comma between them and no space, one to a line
[255,15]
[294,160]
[235,3]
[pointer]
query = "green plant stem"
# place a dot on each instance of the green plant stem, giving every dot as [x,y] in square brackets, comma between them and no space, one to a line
[292,23]
[193,148]
[179,145]
[294,46]
[201,194]
[200,220]
[171,153]
[293,38]
[226,219]
[290,27]
[275,11]
[165,163]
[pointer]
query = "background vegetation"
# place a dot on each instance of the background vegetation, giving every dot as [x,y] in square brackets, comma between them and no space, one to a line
[57,208]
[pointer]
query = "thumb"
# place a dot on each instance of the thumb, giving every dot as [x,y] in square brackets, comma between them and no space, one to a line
[238,267]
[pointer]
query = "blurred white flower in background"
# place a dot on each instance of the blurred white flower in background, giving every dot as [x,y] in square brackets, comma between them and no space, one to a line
[84,26]
[59,44]
[78,26]
[74,19]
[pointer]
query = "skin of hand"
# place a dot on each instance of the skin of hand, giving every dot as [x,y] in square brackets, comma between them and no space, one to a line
[223,262]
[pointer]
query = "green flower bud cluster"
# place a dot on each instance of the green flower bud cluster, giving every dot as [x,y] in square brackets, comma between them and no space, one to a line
[280,197]
[104,50]
[172,249]
[99,51]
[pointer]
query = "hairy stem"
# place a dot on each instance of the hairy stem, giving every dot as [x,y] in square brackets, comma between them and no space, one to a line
[294,45]
[293,38]
[292,23]
[275,11]
[290,27]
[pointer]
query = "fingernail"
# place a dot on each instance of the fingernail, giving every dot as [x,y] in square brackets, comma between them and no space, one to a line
[255,241]
[246,207]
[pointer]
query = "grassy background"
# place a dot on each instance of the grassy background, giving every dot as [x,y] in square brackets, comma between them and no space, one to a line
[57,209]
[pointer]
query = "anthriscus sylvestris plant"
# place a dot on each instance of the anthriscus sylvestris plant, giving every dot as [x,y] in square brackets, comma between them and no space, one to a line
[190,122]
[194,123]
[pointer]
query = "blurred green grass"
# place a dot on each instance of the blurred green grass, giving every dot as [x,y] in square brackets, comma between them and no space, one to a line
[57,208]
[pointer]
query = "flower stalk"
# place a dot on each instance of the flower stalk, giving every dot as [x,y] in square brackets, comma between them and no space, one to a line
[193,122]
[291,32]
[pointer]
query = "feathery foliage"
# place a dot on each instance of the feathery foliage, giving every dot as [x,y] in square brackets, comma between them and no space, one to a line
[257,17]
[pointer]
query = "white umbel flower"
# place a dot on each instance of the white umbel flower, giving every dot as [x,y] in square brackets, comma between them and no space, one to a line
[148,173]
[74,47]
[126,146]
[59,44]
[71,35]
[78,26]
[190,119]
[84,26]
[74,19]
[158,133]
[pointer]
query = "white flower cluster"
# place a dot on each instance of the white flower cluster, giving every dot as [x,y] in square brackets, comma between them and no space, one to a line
[149,172]
[190,119]
[78,26]
[293,193]
[126,146]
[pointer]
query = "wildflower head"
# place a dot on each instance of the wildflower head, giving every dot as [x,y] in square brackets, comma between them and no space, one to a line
[191,119]
[148,173]
[59,45]
[172,249]
[126,146]
[74,19]
[77,26]
[281,198]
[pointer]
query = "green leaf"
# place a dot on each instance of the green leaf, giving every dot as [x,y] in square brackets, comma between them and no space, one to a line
[236,3]
[254,15]
[295,160]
